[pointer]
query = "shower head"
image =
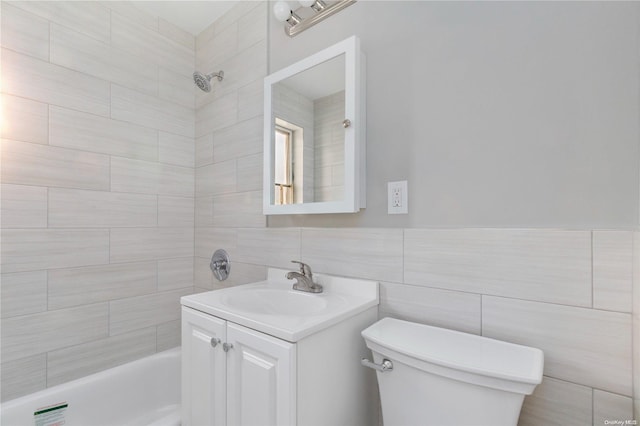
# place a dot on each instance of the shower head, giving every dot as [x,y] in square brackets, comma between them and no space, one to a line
[204,81]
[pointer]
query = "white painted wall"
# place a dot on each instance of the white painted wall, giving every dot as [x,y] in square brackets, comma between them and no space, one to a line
[498,114]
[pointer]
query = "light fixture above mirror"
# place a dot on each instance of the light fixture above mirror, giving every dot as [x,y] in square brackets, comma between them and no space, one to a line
[295,24]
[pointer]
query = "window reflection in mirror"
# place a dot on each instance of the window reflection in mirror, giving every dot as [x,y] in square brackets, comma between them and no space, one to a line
[315,101]
[283,178]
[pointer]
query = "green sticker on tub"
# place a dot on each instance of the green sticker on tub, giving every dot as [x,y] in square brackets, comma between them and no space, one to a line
[52,415]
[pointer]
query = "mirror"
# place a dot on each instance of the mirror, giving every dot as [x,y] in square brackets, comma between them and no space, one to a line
[314,134]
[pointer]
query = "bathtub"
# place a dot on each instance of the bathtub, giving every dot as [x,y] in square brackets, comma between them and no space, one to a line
[143,392]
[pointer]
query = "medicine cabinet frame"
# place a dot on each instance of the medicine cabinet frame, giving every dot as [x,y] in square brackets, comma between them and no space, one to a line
[354,195]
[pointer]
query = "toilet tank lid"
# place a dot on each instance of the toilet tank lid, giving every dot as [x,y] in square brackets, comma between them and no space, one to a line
[457,350]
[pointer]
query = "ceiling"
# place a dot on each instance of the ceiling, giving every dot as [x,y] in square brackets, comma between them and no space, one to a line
[191,16]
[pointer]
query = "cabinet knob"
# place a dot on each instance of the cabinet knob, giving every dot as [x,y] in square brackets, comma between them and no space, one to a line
[226,346]
[214,342]
[346,123]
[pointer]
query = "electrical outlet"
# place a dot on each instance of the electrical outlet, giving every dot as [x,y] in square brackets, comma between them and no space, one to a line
[398,197]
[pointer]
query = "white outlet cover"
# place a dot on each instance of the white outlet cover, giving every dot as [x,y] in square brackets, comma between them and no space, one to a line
[397,191]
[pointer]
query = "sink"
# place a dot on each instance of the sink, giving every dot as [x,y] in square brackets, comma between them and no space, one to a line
[275,301]
[273,307]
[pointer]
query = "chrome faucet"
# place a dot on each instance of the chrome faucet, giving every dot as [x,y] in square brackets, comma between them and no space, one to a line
[304,279]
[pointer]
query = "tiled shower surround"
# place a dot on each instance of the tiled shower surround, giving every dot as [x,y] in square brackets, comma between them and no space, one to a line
[117,188]
[97,188]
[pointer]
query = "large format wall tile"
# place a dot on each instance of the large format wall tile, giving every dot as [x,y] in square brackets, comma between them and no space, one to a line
[613,270]
[133,13]
[545,265]
[251,100]
[168,335]
[204,150]
[218,49]
[176,87]
[88,132]
[440,308]
[202,275]
[24,32]
[97,186]
[92,284]
[78,361]
[23,206]
[175,273]
[208,240]
[176,34]
[609,407]
[216,179]
[98,209]
[203,216]
[130,245]
[249,173]
[248,65]
[29,335]
[237,141]
[176,149]
[146,177]
[150,45]
[580,345]
[271,247]
[24,120]
[33,164]
[150,111]
[23,376]
[49,83]
[252,26]
[73,50]
[556,402]
[371,253]
[34,249]
[145,311]
[175,211]
[242,209]
[88,17]
[216,115]
[23,293]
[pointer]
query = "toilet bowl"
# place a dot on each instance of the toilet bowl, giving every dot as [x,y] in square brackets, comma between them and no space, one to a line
[430,376]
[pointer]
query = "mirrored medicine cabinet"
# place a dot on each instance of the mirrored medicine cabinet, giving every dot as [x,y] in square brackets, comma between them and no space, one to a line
[314,133]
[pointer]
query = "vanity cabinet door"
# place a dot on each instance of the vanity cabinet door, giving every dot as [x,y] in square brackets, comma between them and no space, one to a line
[261,380]
[203,369]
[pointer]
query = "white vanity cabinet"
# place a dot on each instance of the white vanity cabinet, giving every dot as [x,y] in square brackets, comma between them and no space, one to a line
[288,367]
[234,375]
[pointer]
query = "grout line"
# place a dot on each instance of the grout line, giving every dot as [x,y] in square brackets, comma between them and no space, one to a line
[591,265]
[481,323]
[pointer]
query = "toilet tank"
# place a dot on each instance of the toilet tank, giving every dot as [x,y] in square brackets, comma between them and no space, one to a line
[445,377]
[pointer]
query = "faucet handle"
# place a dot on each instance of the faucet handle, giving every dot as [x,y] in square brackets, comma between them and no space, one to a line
[304,268]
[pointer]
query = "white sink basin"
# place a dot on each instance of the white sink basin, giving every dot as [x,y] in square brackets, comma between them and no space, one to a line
[273,307]
[274,301]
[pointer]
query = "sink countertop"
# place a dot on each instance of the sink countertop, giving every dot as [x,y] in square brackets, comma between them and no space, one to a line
[341,298]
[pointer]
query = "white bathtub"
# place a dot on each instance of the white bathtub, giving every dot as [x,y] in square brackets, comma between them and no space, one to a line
[143,392]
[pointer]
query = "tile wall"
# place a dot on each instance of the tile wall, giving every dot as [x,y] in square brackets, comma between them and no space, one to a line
[97,188]
[329,147]
[543,288]
[228,131]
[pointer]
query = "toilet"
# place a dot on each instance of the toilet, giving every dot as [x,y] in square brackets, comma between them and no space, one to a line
[430,376]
